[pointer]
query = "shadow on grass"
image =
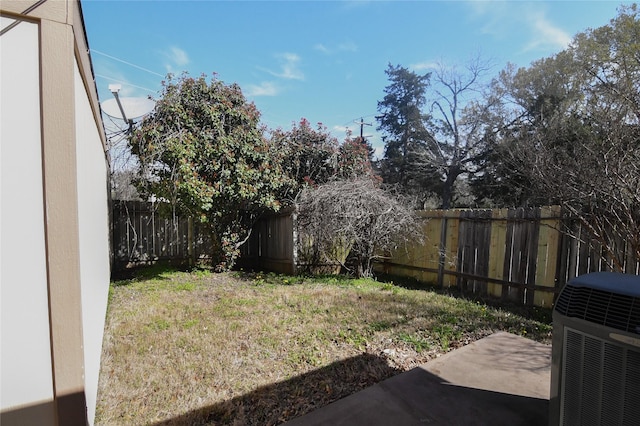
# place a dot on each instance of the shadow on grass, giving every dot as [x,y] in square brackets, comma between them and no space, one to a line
[278,402]
[535,313]
[147,271]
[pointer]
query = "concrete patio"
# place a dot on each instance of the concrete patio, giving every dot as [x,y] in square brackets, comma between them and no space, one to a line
[502,379]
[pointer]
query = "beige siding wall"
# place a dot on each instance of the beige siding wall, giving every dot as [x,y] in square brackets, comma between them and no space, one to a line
[93,222]
[25,345]
[54,217]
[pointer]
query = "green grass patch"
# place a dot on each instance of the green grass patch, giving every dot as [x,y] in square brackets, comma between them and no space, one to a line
[264,348]
[416,341]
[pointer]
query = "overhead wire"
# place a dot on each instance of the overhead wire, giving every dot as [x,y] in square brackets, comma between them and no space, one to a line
[126,62]
[125,83]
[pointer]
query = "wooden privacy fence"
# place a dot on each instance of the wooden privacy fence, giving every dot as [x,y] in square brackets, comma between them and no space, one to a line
[508,253]
[515,254]
[141,234]
[272,244]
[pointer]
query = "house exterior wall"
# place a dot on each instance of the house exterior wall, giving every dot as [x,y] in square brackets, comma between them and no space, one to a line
[93,221]
[25,347]
[55,234]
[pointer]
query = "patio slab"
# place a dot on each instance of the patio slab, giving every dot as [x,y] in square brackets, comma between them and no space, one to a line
[502,379]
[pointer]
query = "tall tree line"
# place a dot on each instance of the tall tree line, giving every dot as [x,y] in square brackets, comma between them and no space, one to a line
[565,130]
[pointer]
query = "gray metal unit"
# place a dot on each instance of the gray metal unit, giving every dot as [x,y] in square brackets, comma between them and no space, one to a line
[595,369]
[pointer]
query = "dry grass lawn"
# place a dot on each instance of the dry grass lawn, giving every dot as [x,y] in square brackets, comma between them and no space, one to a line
[202,348]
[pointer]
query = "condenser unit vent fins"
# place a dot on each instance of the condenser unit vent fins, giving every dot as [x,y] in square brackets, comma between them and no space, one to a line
[614,310]
[601,382]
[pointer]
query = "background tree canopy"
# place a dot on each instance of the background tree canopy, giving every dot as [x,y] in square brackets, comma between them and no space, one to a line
[564,130]
[573,137]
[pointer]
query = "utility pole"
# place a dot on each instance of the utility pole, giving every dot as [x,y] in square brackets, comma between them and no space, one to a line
[362,124]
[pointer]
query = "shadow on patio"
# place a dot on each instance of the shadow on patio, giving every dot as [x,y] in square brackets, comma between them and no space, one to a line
[502,379]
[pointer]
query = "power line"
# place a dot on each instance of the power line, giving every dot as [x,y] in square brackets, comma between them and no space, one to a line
[126,84]
[125,62]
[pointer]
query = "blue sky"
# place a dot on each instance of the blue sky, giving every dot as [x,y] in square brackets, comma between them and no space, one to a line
[322,60]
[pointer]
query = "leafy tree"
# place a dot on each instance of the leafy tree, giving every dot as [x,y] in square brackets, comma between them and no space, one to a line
[525,100]
[354,159]
[202,151]
[403,123]
[354,218]
[309,155]
[312,156]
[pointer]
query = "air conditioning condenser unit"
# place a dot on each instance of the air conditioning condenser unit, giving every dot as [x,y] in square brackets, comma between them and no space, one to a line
[595,361]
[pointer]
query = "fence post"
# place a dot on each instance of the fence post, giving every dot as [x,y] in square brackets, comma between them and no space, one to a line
[548,252]
[442,249]
[190,243]
[294,238]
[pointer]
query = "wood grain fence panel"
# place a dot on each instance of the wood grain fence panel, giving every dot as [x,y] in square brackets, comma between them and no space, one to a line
[497,250]
[523,238]
[512,256]
[482,239]
[431,250]
[583,252]
[473,253]
[549,248]
[469,226]
[573,253]
[521,244]
[631,261]
[165,240]
[620,246]
[271,244]
[562,269]
[141,247]
[142,234]
[508,256]
[533,225]
[452,224]
[464,261]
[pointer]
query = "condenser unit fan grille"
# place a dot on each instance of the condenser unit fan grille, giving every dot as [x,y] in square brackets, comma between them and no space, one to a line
[601,383]
[613,310]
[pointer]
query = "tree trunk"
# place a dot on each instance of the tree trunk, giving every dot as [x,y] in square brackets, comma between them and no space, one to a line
[447,193]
